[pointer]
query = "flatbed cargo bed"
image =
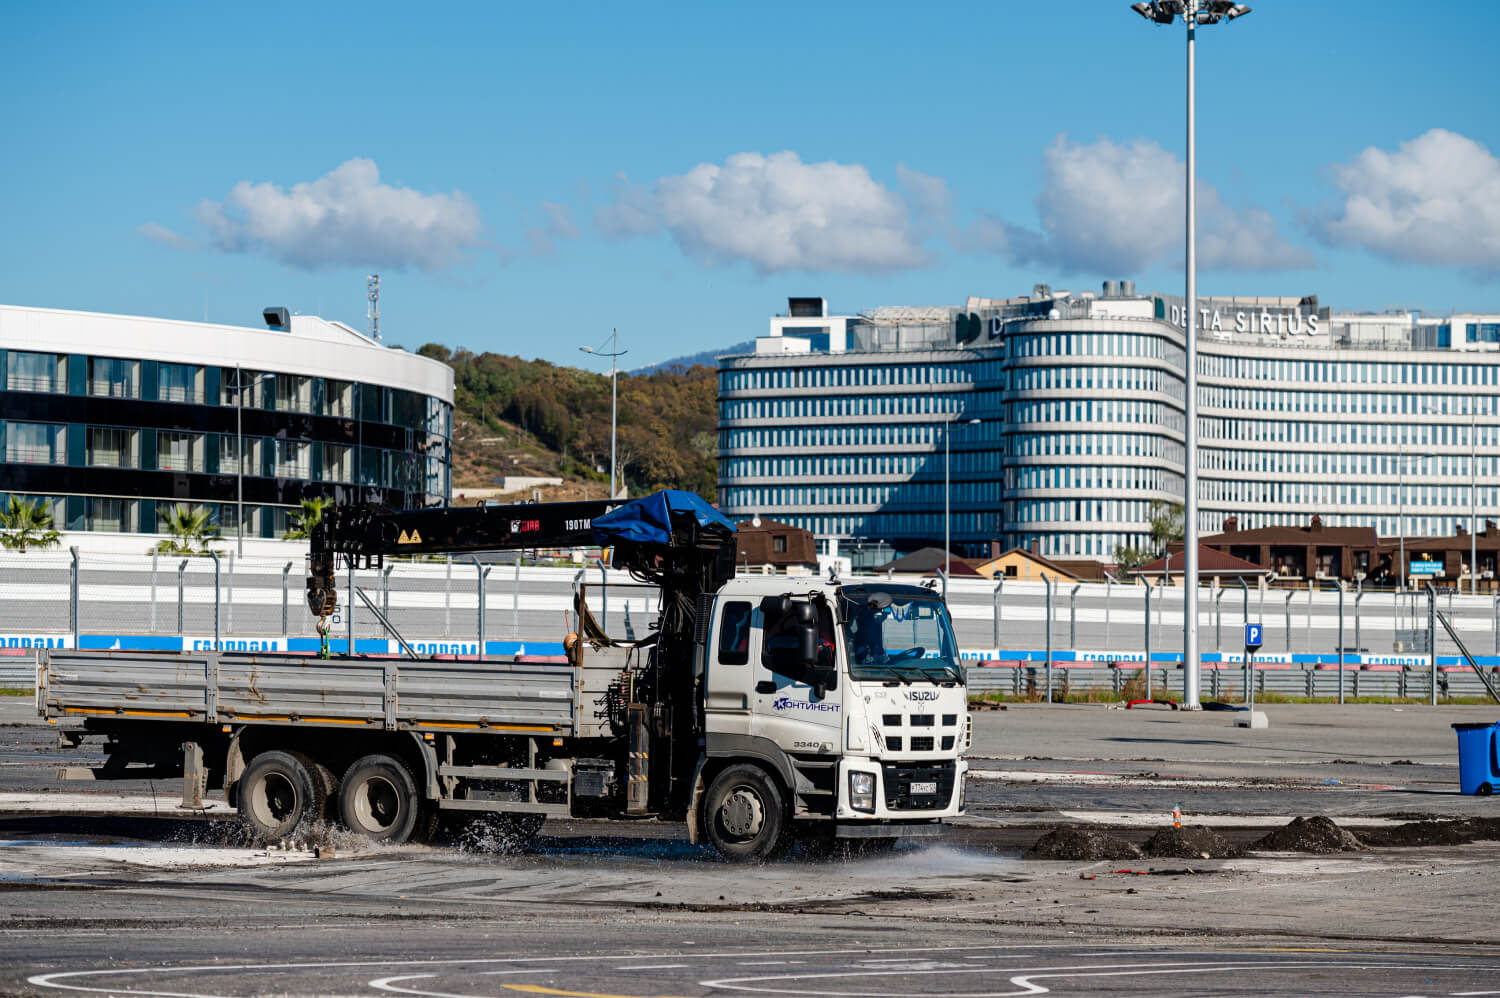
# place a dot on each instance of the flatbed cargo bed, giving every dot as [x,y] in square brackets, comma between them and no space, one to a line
[354,692]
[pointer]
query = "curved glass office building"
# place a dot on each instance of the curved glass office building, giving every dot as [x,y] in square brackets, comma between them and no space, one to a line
[113,420]
[1064,418]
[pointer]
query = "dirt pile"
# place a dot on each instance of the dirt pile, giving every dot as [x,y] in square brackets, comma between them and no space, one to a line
[1453,832]
[1082,843]
[1316,835]
[1189,842]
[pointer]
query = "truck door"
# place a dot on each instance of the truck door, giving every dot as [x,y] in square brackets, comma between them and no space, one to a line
[730,678]
[788,708]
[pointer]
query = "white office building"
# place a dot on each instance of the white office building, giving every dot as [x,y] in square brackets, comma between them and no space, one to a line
[113,420]
[1058,417]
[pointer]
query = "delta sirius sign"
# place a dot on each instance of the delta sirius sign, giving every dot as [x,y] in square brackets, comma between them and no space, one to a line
[1264,321]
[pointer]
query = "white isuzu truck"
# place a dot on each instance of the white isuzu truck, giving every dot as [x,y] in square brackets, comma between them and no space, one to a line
[760,710]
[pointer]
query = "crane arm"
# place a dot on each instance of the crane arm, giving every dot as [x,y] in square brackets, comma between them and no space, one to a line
[366,534]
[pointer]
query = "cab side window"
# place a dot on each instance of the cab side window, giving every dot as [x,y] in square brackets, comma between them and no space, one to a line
[734,634]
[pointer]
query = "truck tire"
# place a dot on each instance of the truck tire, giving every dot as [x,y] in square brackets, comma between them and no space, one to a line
[378,799]
[280,791]
[744,814]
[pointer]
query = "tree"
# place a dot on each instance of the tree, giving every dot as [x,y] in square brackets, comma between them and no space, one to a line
[1129,559]
[303,520]
[26,524]
[191,532]
[1165,524]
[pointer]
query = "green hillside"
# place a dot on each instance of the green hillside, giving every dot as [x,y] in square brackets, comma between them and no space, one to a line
[546,419]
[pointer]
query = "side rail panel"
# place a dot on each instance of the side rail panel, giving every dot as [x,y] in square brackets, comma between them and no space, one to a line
[377,693]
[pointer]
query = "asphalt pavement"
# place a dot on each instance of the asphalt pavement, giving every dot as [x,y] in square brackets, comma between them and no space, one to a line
[127,896]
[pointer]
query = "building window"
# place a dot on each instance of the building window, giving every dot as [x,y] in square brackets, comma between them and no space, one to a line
[294,393]
[230,378]
[166,510]
[110,377]
[228,449]
[110,447]
[338,399]
[293,459]
[179,383]
[778,544]
[229,518]
[115,516]
[338,463]
[52,507]
[179,451]
[36,443]
[36,372]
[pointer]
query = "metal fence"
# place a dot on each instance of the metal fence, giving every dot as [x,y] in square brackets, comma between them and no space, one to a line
[71,593]
[55,598]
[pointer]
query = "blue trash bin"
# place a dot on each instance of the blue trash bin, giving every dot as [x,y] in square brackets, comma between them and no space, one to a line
[1478,759]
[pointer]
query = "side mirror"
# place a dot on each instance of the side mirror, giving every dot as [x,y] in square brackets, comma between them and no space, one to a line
[793,651]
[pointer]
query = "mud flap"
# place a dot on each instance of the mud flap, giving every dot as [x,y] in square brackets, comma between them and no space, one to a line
[694,802]
[234,768]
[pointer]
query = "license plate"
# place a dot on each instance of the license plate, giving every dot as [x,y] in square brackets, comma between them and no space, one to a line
[919,789]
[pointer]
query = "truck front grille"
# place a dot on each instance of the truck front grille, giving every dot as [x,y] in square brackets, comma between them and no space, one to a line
[899,777]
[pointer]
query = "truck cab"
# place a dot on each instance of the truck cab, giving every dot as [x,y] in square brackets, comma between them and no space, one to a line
[851,696]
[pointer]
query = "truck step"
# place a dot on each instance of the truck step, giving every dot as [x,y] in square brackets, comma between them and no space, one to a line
[506,773]
[551,810]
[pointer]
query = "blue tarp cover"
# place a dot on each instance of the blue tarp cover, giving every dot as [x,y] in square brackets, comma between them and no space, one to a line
[648,520]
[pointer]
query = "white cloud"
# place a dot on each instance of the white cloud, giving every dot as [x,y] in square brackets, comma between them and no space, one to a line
[1110,208]
[559,225]
[776,213]
[165,236]
[346,217]
[931,198]
[1435,200]
[560,220]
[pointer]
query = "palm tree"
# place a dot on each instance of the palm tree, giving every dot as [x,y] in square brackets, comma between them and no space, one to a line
[190,530]
[26,524]
[309,516]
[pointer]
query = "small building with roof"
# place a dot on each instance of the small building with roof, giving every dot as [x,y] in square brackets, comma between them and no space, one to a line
[772,546]
[1212,564]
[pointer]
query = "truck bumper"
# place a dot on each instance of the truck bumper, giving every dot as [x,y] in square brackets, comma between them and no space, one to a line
[890,830]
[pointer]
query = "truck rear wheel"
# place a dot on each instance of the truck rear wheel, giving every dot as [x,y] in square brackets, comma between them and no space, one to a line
[744,814]
[280,791]
[378,798]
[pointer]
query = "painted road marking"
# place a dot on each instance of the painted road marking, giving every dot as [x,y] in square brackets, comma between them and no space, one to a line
[1179,782]
[1023,981]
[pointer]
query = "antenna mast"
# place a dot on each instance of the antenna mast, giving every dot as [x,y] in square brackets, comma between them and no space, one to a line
[372,292]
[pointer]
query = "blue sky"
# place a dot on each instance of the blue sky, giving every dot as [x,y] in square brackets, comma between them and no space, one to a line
[525,177]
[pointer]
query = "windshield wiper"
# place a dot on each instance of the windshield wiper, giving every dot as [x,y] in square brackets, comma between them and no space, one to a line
[953,671]
[905,672]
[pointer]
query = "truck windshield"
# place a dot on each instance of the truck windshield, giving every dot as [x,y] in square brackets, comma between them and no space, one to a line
[898,636]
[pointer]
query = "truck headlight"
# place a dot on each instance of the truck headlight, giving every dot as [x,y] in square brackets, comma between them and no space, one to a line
[862,791]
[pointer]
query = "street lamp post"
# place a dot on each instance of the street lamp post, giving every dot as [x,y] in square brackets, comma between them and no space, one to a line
[1193,13]
[1473,502]
[613,371]
[947,518]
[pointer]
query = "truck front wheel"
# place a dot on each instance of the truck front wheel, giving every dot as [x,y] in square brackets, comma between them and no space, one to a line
[279,791]
[744,814]
[378,799]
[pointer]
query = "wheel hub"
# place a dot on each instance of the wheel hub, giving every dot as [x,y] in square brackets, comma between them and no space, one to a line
[742,814]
